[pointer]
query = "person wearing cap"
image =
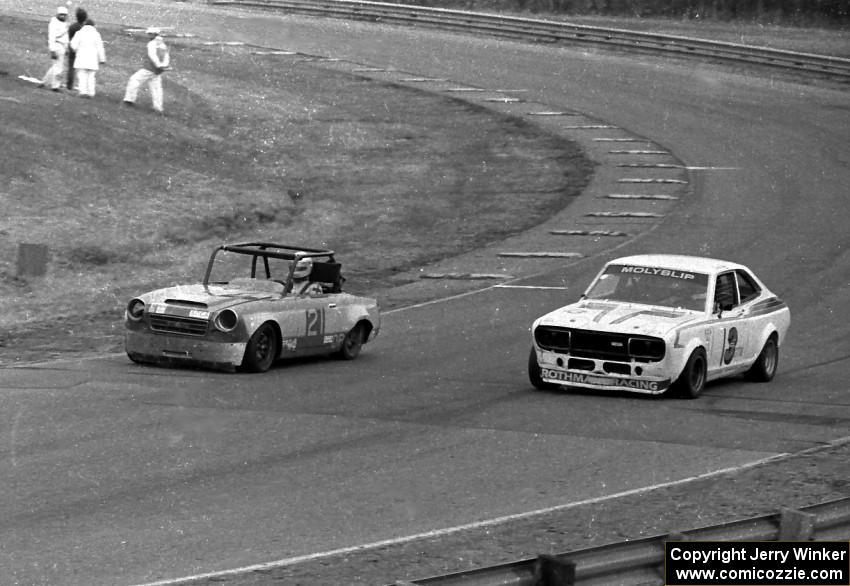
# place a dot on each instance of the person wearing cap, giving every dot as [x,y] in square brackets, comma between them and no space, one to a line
[81,17]
[90,54]
[57,45]
[156,61]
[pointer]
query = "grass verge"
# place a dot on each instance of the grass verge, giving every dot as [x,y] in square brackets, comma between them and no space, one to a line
[251,147]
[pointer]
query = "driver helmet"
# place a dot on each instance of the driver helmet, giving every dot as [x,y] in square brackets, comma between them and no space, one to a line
[302,268]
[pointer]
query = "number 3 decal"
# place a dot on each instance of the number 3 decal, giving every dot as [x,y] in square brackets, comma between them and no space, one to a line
[315,322]
[732,343]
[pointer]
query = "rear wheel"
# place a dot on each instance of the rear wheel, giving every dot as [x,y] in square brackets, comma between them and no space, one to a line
[534,373]
[764,368]
[262,349]
[691,382]
[351,344]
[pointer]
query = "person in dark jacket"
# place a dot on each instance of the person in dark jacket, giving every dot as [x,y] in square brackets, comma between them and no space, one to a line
[81,16]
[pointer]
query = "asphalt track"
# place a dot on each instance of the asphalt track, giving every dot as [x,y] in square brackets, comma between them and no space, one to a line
[117,474]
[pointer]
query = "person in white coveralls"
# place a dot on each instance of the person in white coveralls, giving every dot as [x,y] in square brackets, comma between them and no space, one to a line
[156,61]
[57,45]
[88,45]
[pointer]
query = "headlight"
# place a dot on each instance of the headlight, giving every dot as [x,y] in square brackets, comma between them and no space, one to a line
[135,309]
[552,338]
[647,348]
[226,320]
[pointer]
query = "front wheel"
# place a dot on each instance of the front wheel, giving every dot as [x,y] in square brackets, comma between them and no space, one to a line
[262,349]
[351,344]
[534,373]
[691,382]
[764,368]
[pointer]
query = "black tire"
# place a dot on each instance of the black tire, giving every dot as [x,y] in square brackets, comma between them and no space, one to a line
[534,374]
[691,382]
[351,344]
[262,349]
[764,368]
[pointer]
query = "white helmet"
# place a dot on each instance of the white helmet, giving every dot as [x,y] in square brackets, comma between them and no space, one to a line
[303,268]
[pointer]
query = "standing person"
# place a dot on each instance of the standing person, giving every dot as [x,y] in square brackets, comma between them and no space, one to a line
[81,16]
[90,54]
[156,61]
[57,44]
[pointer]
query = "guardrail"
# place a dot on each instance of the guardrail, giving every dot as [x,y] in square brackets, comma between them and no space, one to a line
[641,561]
[557,32]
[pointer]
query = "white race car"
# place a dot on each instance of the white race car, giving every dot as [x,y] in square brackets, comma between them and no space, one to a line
[258,302]
[650,323]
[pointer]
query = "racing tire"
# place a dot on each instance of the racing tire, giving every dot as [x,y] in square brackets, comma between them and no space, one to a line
[534,374]
[351,344]
[764,368]
[262,349]
[137,358]
[691,382]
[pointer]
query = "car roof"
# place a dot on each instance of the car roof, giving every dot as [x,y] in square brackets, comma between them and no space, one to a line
[269,249]
[680,262]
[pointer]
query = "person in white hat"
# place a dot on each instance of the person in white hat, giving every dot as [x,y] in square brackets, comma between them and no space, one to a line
[90,54]
[156,61]
[57,45]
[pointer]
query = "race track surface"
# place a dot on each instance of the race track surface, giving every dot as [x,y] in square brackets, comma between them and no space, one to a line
[119,474]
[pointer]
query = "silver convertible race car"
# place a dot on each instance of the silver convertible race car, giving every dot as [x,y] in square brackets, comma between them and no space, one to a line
[258,302]
[650,323]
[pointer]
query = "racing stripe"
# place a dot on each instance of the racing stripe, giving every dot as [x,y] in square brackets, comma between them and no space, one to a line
[605,311]
[651,312]
[766,306]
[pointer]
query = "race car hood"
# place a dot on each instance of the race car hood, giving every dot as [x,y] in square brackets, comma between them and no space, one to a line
[215,297]
[606,316]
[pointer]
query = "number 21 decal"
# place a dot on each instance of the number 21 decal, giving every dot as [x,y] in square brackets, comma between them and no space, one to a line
[315,322]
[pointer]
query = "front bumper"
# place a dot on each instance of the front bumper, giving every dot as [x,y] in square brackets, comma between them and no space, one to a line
[146,346]
[607,382]
[646,378]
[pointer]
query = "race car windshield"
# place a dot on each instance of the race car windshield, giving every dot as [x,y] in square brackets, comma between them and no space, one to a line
[234,267]
[651,286]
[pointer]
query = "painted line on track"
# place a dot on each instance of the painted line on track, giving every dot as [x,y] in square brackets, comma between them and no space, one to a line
[713,168]
[543,254]
[291,561]
[653,196]
[637,152]
[547,113]
[588,233]
[542,287]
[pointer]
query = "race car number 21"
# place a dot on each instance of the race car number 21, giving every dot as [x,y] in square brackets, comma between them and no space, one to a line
[315,322]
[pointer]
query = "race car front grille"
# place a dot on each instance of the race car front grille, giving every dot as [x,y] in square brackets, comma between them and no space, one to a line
[175,324]
[600,345]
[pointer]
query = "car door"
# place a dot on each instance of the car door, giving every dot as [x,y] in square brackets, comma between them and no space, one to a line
[322,321]
[731,328]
